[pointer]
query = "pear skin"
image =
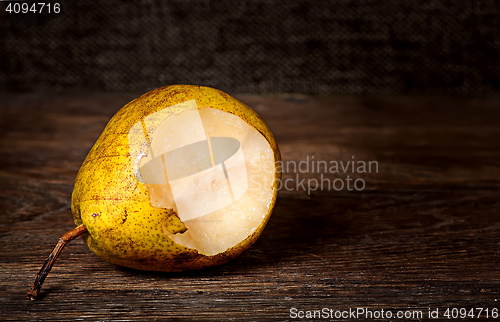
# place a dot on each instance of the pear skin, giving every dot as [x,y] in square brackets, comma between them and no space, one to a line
[128,221]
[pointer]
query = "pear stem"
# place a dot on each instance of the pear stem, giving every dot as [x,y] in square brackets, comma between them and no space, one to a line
[44,271]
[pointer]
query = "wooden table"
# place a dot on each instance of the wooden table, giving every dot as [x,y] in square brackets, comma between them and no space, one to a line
[423,233]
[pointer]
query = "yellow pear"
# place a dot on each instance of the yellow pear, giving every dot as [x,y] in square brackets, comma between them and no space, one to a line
[182,178]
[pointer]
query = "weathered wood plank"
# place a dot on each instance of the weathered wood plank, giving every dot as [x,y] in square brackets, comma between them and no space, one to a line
[425,231]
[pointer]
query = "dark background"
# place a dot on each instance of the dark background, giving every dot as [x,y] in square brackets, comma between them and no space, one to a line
[424,233]
[314,47]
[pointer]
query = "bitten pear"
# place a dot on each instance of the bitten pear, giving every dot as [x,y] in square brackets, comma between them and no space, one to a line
[182,178]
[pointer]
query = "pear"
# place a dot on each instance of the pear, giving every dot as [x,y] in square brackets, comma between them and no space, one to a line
[182,178]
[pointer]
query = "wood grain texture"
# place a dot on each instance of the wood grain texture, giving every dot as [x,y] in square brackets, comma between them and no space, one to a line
[424,233]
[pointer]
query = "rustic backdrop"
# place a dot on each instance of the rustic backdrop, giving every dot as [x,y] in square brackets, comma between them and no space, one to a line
[346,47]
